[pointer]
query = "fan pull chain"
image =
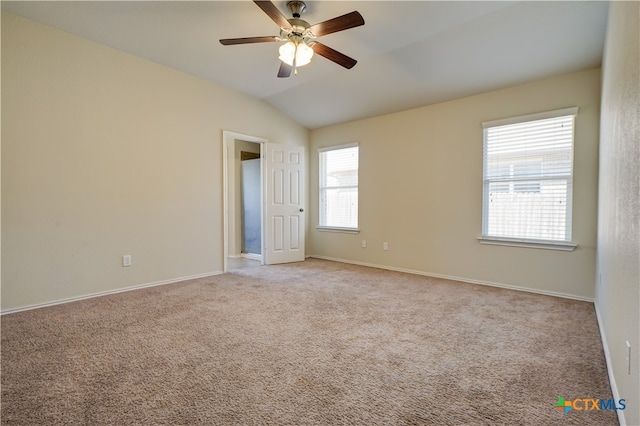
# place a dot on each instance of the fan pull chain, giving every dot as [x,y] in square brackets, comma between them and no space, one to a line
[295,56]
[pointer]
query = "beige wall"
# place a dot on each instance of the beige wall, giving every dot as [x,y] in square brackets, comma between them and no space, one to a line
[618,288]
[105,154]
[421,190]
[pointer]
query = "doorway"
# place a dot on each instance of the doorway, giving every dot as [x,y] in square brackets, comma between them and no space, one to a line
[250,213]
[243,213]
[282,200]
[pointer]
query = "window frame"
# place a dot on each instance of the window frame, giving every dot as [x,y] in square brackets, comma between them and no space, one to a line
[485,238]
[328,228]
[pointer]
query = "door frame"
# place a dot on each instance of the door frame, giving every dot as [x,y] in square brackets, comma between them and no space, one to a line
[228,139]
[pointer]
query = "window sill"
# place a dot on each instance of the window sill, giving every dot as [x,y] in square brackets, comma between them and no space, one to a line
[338,229]
[538,244]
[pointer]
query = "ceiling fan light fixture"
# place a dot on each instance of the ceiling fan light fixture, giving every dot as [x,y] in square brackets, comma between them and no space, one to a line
[298,51]
[299,37]
[304,54]
[287,52]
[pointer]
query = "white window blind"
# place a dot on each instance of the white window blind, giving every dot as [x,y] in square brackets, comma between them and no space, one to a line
[528,177]
[339,187]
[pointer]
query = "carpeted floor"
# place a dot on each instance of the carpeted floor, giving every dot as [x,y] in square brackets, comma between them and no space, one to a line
[310,343]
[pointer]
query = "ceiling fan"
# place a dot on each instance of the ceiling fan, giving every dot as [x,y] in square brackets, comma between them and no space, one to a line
[300,37]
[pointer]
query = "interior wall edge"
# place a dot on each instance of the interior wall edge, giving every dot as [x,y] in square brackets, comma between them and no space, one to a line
[607,358]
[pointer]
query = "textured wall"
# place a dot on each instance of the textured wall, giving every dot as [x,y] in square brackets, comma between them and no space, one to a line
[421,189]
[618,288]
[105,154]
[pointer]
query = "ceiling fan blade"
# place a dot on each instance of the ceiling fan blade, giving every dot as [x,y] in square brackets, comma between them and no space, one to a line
[285,70]
[344,22]
[333,55]
[273,12]
[246,40]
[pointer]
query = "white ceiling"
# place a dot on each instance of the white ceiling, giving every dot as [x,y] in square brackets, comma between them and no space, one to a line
[409,53]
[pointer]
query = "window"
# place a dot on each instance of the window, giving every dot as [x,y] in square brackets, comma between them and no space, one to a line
[528,179]
[339,188]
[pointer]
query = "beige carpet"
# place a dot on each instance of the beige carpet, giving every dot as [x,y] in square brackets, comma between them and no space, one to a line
[311,343]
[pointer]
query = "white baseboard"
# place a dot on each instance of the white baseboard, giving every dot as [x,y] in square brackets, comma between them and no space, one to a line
[607,357]
[105,293]
[453,278]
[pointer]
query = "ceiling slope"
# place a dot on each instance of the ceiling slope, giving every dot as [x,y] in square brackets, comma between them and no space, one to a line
[409,54]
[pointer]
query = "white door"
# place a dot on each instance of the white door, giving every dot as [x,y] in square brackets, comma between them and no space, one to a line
[284,202]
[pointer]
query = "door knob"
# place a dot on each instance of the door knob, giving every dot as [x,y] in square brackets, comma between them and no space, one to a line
[301,210]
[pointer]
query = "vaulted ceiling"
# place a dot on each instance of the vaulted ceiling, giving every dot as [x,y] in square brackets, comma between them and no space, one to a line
[409,53]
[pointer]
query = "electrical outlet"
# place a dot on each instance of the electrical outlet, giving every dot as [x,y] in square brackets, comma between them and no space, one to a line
[364,243]
[628,356]
[126,260]
[385,246]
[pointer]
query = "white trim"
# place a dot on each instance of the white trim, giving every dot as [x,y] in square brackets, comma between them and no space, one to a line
[108,292]
[541,244]
[531,117]
[453,278]
[228,138]
[338,229]
[322,150]
[514,145]
[607,357]
[335,147]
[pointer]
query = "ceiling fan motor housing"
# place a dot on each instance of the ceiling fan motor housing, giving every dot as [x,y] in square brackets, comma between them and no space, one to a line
[299,27]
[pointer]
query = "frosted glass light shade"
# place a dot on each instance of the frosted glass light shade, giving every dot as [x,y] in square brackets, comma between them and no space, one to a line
[287,52]
[302,53]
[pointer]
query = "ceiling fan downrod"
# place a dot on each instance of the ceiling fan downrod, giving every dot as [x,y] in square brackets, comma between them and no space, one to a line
[296,8]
